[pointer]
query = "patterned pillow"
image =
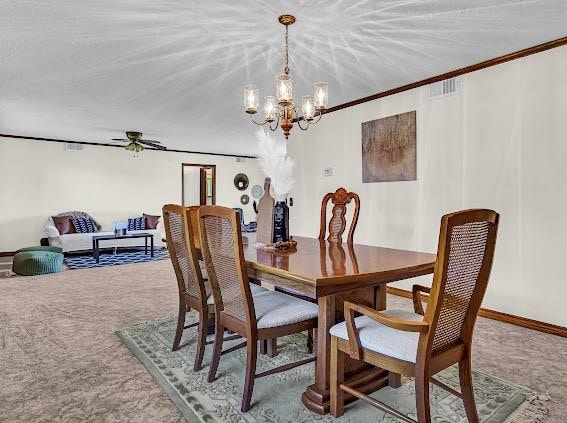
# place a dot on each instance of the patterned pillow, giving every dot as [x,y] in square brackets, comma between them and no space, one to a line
[137,224]
[83,225]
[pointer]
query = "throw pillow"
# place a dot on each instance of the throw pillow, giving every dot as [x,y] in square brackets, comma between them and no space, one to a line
[64,224]
[151,221]
[83,225]
[137,224]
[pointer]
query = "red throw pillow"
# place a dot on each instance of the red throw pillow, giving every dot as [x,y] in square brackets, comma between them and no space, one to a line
[151,221]
[64,224]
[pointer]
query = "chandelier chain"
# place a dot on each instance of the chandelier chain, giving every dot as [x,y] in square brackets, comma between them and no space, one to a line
[286,70]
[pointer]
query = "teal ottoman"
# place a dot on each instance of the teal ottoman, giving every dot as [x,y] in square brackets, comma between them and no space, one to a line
[37,262]
[41,248]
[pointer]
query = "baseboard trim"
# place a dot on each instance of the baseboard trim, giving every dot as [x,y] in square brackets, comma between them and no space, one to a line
[502,317]
[7,253]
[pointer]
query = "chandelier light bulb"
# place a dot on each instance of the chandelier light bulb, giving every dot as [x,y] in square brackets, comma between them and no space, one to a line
[321,95]
[270,107]
[251,98]
[308,107]
[284,89]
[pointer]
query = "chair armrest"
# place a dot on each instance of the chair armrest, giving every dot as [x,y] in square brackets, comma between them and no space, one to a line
[51,231]
[415,293]
[393,322]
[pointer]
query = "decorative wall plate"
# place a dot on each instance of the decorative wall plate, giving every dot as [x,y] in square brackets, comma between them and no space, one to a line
[241,182]
[244,199]
[257,191]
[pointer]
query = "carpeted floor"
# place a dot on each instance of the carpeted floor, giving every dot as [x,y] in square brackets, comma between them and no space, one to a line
[61,361]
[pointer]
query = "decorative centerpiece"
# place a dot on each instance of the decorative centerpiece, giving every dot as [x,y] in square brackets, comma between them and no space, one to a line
[277,166]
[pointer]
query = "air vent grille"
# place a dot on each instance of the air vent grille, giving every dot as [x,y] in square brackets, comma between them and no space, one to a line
[445,88]
[71,146]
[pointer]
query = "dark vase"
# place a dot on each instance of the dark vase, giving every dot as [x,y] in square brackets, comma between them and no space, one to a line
[281,222]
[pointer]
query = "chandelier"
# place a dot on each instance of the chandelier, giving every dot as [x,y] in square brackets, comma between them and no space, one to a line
[280,110]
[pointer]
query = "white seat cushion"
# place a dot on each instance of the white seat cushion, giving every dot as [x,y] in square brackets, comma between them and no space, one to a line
[383,339]
[255,289]
[275,309]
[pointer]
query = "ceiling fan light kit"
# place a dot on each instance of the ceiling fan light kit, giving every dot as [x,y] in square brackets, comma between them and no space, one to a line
[136,144]
[279,110]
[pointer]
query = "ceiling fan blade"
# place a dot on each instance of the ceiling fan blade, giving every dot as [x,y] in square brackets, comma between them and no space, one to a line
[154,141]
[119,139]
[148,142]
[159,147]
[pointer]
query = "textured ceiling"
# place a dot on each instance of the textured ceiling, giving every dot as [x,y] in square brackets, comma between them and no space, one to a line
[87,70]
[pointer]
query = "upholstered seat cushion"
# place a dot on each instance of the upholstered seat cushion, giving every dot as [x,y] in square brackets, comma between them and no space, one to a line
[255,289]
[383,339]
[275,309]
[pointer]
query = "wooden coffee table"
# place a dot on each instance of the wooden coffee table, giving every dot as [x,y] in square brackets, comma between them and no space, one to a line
[109,237]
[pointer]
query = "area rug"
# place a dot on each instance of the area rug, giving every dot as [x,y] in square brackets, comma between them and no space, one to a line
[110,259]
[277,398]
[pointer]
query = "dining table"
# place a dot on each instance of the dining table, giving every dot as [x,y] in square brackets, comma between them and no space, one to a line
[330,273]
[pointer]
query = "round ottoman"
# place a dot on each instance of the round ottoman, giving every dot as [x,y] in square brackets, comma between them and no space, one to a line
[41,248]
[31,263]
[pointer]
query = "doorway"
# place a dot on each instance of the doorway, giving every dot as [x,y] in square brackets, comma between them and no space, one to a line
[198,184]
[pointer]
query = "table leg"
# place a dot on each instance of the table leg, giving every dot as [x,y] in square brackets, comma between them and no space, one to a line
[152,246]
[93,248]
[380,297]
[146,245]
[97,251]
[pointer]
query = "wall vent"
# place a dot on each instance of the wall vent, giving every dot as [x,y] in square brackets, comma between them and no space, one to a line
[71,146]
[445,88]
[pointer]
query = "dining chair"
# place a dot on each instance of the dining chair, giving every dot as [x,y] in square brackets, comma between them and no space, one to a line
[194,292]
[262,317]
[420,345]
[337,223]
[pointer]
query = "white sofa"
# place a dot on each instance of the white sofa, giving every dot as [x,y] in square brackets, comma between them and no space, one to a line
[84,241]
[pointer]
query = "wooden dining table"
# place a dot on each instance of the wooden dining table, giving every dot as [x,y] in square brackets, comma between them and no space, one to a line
[330,273]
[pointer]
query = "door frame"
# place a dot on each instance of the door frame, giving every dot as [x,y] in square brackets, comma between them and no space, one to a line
[202,166]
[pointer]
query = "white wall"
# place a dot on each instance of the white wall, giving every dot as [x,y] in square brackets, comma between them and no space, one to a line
[39,179]
[500,144]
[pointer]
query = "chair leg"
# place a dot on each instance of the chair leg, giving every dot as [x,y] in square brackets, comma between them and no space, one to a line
[201,340]
[217,350]
[337,377]
[310,341]
[422,398]
[264,346]
[272,347]
[180,324]
[465,378]
[251,352]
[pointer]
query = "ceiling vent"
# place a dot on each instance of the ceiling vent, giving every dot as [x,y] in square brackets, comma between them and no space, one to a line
[446,88]
[71,146]
[240,160]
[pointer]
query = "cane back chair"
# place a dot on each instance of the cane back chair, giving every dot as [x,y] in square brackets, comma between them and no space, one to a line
[421,346]
[337,223]
[194,290]
[193,293]
[261,317]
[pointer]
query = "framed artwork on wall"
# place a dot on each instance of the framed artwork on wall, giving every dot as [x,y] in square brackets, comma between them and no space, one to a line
[389,150]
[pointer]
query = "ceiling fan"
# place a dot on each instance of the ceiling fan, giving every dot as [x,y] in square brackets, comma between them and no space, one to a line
[137,144]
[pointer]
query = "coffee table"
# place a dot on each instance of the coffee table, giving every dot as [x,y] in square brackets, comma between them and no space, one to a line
[98,238]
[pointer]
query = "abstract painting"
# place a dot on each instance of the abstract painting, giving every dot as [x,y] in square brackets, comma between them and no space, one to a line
[389,149]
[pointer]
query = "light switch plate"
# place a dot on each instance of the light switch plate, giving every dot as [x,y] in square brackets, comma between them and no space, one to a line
[328,171]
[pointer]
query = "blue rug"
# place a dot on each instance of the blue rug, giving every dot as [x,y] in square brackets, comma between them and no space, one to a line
[110,259]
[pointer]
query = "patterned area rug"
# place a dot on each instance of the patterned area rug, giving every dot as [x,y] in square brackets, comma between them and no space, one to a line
[277,398]
[109,259]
